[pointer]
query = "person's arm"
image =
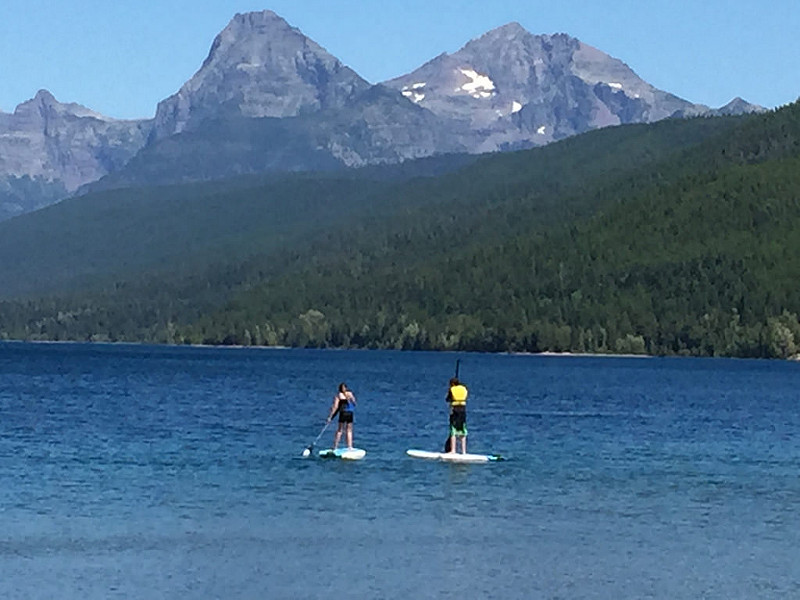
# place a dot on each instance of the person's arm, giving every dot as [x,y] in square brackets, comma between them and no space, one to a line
[352,397]
[334,408]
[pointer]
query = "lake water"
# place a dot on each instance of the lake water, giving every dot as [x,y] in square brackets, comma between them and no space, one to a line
[161,472]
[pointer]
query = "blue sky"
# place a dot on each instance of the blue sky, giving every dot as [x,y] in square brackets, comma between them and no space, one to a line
[120,57]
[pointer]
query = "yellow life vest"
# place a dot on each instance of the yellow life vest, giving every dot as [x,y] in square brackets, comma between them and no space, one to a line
[458,395]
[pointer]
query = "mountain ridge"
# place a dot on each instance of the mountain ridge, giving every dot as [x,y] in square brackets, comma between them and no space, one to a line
[259,67]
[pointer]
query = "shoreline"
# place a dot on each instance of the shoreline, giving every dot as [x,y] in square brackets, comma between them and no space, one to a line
[587,355]
[546,353]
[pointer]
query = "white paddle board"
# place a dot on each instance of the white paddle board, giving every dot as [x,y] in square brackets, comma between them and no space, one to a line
[343,453]
[455,457]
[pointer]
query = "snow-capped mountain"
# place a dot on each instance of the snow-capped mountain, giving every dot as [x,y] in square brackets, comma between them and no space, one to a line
[510,89]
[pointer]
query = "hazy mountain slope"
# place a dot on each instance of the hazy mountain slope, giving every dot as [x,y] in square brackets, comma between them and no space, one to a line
[49,149]
[19,195]
[377,127]
[115,233]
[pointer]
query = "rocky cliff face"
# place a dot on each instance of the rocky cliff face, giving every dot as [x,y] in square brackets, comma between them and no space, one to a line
[510,89]
[263,70]
[51,148]
[259,66]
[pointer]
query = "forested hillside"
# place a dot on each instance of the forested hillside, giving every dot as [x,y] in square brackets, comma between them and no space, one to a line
[678,237]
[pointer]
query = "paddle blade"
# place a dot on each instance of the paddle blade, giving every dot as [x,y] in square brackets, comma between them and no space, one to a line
[306,452]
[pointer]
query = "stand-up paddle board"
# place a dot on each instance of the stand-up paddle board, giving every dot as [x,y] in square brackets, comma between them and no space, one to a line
[343,453]
[455,457]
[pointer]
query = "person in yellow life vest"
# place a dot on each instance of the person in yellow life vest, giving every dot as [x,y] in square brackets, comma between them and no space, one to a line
[457,399]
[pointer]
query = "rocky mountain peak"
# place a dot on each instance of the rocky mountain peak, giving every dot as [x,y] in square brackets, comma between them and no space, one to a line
[514,36]
[44,105]
[45,97]
[38,111]
[251,34]
[509,31]
[256,20]
[515,89]
[41,102]
[259,66]
[738,106]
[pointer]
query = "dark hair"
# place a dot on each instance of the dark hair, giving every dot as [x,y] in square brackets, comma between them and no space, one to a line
[454,381]
[342,387]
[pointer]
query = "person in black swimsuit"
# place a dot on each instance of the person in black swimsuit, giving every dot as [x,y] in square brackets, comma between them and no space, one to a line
[344,402]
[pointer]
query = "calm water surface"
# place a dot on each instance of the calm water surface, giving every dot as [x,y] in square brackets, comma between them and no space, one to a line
[157,472]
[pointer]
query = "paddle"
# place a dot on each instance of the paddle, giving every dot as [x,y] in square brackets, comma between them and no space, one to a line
[310,447]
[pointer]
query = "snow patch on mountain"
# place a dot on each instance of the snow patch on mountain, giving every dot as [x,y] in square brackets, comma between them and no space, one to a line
[412,92]
[478,86]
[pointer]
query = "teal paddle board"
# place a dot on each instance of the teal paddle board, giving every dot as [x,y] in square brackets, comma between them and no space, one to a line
[343,453]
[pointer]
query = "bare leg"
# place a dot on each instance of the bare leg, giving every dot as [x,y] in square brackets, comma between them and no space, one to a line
[452,443]
[350,436]
[464,445]
[338,436]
